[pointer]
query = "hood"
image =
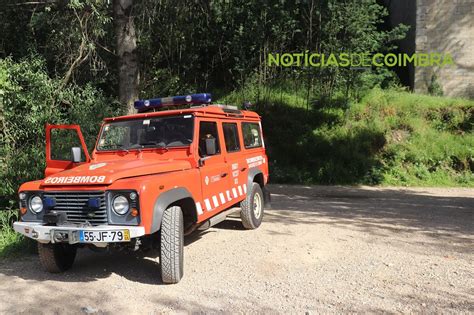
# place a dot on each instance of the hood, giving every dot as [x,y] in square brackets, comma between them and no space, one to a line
[106,172]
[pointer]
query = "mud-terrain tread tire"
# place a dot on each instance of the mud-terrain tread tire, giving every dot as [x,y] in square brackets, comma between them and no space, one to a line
[56,258]
[171,245]
[249,221]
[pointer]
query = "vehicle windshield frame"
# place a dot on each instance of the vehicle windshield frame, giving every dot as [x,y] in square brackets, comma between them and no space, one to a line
[147,147]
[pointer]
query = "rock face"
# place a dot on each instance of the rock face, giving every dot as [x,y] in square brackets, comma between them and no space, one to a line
[442,26]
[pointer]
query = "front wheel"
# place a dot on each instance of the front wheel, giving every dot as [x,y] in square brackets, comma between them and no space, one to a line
[171,245]
[56,258]
[252,208]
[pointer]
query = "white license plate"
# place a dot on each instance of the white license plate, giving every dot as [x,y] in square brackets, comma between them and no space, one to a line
[104,236]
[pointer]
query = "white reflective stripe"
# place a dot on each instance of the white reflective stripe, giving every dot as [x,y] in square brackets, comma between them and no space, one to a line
[229,198]
[208,204]
[214,200]
[222,198]
[199,208]
[240,190]
[245,188]
[234,191]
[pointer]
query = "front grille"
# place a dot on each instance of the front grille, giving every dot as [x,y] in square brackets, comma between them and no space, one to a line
[75,205]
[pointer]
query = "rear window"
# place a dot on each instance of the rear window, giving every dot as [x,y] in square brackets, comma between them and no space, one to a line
[232,143]
[252,136]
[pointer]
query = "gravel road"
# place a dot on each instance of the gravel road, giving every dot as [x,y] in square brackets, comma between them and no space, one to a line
[319,250]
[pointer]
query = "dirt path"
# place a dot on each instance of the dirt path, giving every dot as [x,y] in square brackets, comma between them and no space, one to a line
[321,249]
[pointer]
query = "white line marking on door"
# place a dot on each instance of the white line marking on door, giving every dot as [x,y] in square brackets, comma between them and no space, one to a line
[199,208]
[208,204]
[214,200]
[229,198]
[222,198]
[240,190]
[234,191]
[245,188]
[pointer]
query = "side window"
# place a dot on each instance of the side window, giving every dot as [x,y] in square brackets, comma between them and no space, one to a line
[231,137]
[208,130]
[252,136]
[62,140]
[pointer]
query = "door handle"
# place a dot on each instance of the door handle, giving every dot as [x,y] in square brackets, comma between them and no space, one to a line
[223,174]
[243,169]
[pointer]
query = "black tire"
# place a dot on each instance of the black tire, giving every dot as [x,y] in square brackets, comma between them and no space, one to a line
[56,258]
[171,245]
[252,219]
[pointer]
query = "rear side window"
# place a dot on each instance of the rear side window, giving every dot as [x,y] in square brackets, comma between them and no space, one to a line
[232,143]
[252,136]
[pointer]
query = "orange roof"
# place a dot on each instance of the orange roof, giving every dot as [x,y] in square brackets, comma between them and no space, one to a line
[210,110]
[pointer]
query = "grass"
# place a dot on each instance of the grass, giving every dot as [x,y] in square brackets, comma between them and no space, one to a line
[11,243]
[429,140]
[390,137]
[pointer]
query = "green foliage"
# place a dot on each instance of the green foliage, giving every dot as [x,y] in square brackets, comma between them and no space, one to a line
[434,88]
[188,46]
[12,243]
[391,137]
[222,45]
[71,37]
[29,99]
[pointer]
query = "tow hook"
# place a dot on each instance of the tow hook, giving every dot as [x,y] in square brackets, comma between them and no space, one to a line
[60,237]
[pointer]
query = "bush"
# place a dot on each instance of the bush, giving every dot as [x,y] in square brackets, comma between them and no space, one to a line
[12,243]
[390,137]
[29,99]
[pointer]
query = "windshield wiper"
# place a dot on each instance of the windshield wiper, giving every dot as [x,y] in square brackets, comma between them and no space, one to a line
[148,143]
[160,145]
[122,147]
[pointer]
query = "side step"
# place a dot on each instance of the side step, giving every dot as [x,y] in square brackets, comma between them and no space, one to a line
[218,218]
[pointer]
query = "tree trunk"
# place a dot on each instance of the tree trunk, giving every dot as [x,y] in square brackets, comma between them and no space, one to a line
[126,40]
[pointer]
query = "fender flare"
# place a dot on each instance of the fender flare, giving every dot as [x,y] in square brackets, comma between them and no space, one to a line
[254,171]
[162,203]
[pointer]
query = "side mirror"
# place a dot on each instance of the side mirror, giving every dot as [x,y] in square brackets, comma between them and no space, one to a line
[76,154]
[211,146]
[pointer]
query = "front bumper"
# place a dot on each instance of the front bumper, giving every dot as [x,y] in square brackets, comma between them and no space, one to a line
[45,233]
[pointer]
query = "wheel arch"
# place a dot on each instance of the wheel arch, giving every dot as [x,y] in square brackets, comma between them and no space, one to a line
[179,196]
[255,175]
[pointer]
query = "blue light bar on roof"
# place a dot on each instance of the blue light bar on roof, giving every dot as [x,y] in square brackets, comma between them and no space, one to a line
[193,99]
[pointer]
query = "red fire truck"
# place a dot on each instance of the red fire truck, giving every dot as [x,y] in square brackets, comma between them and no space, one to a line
[179,164]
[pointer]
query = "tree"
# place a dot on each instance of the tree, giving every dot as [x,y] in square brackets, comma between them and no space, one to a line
[126,41]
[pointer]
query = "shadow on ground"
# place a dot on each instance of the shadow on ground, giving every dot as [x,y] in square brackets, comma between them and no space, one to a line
[447,221]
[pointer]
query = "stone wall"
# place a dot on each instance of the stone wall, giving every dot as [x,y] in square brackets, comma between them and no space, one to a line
[442,26]
[446,26]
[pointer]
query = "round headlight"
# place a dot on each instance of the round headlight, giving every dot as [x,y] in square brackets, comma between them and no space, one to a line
[36,204]
[120,205]
[133,195]
[22,196]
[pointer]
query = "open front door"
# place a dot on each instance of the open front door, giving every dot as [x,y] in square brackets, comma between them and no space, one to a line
[60,141]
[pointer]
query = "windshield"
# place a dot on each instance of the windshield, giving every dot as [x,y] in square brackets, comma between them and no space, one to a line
[160,132]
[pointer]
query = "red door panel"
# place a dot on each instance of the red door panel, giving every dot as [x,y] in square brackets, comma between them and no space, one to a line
[55,163]
[214,172]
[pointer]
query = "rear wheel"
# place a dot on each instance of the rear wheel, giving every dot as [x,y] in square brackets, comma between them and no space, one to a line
[171,245]
[56,258]
[252,208]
